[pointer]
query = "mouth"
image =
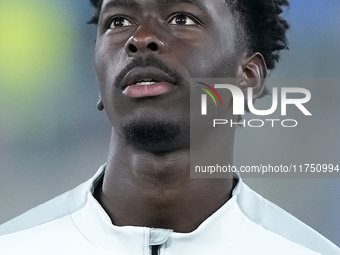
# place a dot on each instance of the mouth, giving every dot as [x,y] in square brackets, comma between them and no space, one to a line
[147,82]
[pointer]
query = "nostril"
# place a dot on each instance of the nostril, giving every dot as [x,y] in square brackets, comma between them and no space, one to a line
[153,46]
[133,48]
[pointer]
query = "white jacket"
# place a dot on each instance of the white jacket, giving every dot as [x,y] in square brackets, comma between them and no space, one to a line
[75,223]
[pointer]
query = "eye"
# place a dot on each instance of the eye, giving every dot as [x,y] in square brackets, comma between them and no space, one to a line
[118,22]
[182,19]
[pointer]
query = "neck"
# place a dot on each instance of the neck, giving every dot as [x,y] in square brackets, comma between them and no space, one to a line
[150,189]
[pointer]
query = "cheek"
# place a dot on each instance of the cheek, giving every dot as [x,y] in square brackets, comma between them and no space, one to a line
[108,63]
[210,54]
[101,65]
[209,62]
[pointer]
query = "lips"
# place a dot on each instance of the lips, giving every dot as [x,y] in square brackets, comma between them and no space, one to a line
[147,82]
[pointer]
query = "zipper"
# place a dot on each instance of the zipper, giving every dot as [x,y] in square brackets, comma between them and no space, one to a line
[157,237]
[155,249]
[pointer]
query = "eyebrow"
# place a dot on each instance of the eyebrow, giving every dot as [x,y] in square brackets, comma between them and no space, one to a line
[131,3]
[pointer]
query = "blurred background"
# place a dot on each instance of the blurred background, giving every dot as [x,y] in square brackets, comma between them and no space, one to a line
[52,138]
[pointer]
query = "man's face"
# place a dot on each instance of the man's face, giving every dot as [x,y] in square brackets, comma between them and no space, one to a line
[146,53]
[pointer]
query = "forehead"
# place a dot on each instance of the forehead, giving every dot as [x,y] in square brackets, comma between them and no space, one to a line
[202,4]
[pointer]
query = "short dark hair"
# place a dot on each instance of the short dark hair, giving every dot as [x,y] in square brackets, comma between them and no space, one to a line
[265,28]
[97,5]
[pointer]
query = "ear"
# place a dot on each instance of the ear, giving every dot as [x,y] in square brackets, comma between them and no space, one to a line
[100,105]
[255,72]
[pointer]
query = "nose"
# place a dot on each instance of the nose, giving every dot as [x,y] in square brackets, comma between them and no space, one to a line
[144,41]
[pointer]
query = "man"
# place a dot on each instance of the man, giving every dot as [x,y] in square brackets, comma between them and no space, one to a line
[143,201]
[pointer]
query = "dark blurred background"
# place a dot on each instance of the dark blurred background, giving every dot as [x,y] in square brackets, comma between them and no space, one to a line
[52,138]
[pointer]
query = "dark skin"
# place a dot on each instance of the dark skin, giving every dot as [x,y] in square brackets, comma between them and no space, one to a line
[148,185]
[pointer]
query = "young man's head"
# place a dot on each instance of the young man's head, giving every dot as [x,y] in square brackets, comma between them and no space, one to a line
[147,51]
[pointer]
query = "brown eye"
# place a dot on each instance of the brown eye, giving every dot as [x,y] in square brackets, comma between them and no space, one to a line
[118,22]
[182,19]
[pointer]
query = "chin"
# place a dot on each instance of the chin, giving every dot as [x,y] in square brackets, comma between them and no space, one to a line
[157,136]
